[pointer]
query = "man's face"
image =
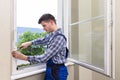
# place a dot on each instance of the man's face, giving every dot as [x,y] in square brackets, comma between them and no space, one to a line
[47,26]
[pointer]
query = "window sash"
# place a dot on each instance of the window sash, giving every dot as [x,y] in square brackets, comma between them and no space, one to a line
[108,37]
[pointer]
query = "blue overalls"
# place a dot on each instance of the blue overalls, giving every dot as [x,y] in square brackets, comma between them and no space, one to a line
[56,71]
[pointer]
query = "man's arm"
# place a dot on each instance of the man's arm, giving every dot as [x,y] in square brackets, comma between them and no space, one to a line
[49,53]
[25,45]
[19,55]
[43,40]
[55,47]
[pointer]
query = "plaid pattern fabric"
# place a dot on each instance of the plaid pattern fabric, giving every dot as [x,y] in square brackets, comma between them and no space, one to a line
[55,48]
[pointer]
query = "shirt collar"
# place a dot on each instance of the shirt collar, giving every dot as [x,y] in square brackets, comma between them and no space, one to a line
[59,30]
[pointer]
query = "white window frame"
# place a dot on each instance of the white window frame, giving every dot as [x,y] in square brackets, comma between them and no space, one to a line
[109,41]
[16,74]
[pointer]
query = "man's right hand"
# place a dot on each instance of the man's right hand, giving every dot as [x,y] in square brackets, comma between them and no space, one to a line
[19,55]
[25,45]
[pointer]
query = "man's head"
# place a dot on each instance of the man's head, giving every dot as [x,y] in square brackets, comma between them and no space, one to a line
[48,22]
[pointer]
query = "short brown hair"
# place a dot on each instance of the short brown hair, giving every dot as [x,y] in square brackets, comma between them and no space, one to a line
[46,17]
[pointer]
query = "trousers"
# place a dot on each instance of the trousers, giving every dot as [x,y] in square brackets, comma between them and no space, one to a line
[56,72]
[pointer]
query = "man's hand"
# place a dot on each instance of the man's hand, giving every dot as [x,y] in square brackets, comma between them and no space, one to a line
[25,45]
[19,55]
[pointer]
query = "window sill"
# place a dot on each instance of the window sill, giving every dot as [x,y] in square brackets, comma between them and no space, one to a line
[13,77]
[18,76]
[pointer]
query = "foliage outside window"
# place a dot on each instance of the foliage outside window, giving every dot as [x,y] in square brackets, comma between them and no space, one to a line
[33,49]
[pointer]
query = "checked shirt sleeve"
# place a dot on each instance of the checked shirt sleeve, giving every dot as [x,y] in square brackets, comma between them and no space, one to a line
[43,41]
[55,47]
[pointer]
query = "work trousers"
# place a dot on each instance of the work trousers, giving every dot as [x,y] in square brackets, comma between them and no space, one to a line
[56,72]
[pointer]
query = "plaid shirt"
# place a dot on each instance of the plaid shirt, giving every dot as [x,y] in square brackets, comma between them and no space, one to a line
[55,48]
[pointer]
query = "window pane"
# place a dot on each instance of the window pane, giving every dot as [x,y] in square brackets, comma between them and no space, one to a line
[87,42]
[28,13]
[84,9]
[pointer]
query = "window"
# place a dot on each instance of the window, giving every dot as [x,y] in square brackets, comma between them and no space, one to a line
[27,14]
[89,33]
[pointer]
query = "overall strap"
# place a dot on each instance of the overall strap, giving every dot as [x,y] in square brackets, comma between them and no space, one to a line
[50,62]
[60,35]
[67,51]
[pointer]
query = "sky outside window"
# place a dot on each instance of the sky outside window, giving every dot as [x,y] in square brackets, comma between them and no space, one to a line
[29,11]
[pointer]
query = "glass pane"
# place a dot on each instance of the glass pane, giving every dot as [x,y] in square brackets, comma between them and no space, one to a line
[84,9]
[28,14]
[87,42]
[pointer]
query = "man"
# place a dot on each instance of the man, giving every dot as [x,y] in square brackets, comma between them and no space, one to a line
[55,54]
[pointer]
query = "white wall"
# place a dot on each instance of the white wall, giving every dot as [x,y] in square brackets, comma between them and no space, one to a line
[5,39]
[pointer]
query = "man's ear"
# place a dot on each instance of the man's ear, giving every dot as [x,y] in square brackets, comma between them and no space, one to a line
[52,22]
